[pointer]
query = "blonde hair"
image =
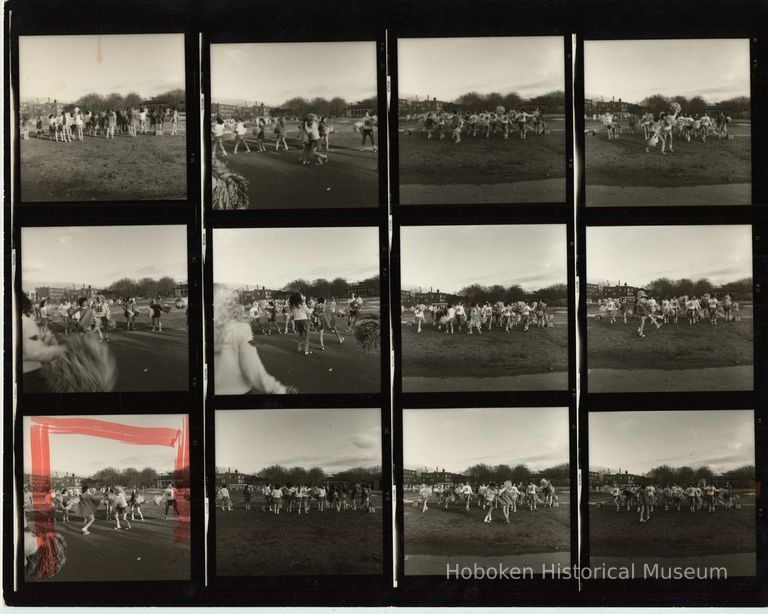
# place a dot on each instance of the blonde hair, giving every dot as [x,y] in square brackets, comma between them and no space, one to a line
[226,309]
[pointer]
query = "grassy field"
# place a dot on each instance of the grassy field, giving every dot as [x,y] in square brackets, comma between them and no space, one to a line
[455,531]
[155,549]
[123,168]
[341,368]
[259,543]
[478,160]
[146,361]
[624,162]
[494,354]
[681,346]
[277,180]
[670,533]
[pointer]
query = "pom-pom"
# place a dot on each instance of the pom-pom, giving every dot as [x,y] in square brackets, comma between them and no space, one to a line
[368,334]
[86,366]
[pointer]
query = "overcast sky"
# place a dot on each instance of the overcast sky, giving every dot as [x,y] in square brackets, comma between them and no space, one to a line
[455,439]
[100,255]
[446,68]
[84,455]
[274,257]
[65,68]
[639,254]
[332,439]
[637,441]
[715,69]
[450,258]
[272,73]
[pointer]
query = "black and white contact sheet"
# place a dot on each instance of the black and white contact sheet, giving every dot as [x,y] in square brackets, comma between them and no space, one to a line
[385,304]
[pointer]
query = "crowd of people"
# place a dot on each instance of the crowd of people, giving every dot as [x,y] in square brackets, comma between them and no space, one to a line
[453,318]
[442,125]
[238,367]
[490,496]
[664,126]
[66,504]
[75,124]
[302,497]
[693,309]
[646,496]
[312,136]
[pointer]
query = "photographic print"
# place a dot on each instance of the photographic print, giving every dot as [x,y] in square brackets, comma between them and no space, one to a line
[104,308]
[669,308]
[303,133]
[668,122]
[106,498]
[296,310]
[111,127]
[673,490]
[481,120]
[505,286]
[477,493]
[313,508]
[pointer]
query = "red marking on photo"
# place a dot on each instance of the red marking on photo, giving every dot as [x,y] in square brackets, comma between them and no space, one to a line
[41,430]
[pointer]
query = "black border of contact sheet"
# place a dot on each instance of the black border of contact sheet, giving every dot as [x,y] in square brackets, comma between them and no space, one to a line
[383,22]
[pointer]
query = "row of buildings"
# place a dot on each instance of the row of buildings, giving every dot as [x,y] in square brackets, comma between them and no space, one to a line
[597,292]
[410,107]
[33,108]
[58,482]
[249,295]
[261,111]
[73,293]
[236,481]
[594,107]
[600,479]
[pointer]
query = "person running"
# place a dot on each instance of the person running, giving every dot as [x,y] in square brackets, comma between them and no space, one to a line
[156,309]
[690,310]
[325,134]
[475,319]
[171,495]
[300,314]
[366,130]
[525,316]
[610,308]
[418,313]
[260,136]
[312,128]
[712,308]
[247,497]
[280,134]
[238,367]
[134,502]
[89,503]
[240,132]
[121,509]
[326,321]
[254,315]
[226,501]
[616,494]
[130,310]
[355,303]
[272,315]
[111,124]
[102,316]
[218,135]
